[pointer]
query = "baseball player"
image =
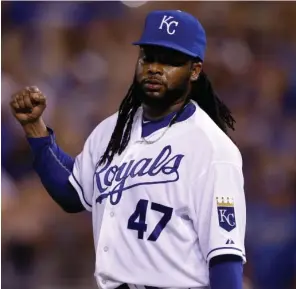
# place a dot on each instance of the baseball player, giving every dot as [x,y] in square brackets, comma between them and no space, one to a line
[161,177]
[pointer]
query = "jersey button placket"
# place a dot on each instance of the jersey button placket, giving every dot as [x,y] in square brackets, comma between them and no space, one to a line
[107,236]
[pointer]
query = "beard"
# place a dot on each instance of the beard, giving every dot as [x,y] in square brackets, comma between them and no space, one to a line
[167,99]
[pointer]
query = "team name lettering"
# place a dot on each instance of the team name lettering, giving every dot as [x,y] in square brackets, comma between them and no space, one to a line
[164,168]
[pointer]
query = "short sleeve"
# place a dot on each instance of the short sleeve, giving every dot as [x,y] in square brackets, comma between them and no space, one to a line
[81,177]
[219,205]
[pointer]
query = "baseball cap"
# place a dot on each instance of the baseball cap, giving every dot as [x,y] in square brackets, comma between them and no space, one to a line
[174,29]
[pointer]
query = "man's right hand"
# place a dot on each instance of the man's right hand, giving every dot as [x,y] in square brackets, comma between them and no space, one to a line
[27,107]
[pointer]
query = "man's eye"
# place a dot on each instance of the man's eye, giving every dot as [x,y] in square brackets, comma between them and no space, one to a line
[172,61]
[147,58]
[164,59]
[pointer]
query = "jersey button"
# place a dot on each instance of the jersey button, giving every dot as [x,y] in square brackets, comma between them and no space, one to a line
[112,214]
[106,249]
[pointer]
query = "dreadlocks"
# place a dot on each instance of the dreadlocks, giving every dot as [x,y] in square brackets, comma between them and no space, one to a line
[201,91]
[122,131]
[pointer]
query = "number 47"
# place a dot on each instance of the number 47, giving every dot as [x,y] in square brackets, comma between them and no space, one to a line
[141,226]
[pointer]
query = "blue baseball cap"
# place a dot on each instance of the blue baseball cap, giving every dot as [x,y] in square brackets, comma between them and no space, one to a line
[174,29]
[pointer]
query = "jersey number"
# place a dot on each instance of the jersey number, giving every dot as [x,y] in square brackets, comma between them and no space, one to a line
[140,224]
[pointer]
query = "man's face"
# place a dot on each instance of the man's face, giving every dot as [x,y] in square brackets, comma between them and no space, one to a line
[163,76]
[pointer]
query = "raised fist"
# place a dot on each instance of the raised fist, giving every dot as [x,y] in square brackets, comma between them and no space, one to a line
[28,105]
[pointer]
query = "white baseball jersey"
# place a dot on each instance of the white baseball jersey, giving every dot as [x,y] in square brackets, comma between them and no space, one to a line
[161,211]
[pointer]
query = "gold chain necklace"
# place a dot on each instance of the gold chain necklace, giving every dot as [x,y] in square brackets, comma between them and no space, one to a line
[157,139]
[164,132]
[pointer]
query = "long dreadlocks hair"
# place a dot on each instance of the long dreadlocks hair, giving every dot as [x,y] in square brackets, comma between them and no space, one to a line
[201,91]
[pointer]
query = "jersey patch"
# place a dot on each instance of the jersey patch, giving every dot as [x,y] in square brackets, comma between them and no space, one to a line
[226,214]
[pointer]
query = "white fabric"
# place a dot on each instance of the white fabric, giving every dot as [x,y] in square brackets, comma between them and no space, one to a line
[175,180]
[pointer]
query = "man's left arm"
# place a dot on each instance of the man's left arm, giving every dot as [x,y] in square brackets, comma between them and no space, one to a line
[220,223]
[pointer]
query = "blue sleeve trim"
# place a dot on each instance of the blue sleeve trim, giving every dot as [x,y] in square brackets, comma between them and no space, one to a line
[82,192]
[225,248]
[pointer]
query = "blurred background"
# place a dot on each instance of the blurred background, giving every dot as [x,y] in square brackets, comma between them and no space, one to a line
[80,55]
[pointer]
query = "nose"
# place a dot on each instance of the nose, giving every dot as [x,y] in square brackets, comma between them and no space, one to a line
[155,68]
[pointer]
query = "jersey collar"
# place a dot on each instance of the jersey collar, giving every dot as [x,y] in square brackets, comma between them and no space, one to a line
[149,127]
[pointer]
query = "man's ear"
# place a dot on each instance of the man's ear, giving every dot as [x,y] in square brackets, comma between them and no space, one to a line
[195,70]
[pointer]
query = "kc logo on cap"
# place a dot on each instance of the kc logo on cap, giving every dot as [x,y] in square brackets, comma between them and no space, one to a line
[168,21]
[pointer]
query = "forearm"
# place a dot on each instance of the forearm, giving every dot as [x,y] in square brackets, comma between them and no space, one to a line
[37,129]
[54,168]
[226,272]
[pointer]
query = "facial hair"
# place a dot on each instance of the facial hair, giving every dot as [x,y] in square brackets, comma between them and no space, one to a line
[170,97]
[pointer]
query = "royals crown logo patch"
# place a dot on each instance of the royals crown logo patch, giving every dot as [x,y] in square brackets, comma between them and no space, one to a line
[226,214]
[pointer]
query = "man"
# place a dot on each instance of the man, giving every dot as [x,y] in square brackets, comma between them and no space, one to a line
[161,177]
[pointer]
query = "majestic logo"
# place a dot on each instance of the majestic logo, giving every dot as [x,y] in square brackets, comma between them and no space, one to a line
[226,213]
[163,169]
[167,20]
[229,242]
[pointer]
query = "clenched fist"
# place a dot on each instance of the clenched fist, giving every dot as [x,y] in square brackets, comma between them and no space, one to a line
[28,105]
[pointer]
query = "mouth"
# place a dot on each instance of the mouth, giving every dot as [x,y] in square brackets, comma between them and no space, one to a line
[153,81]
[153,84]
